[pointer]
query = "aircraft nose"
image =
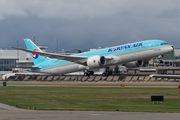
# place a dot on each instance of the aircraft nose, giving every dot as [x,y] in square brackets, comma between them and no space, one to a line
[170,48]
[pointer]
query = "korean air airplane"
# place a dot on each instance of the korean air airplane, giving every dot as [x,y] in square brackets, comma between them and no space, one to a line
[131,55]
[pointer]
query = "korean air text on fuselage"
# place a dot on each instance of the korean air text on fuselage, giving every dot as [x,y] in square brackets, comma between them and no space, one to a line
[128,46]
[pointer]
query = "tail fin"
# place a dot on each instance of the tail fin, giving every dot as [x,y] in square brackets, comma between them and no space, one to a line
[35,57]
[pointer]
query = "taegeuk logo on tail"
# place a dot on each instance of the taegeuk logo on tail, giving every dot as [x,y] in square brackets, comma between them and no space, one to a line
[35,56]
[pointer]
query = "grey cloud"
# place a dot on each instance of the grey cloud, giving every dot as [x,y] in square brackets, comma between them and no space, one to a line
[79,9]
[80,24]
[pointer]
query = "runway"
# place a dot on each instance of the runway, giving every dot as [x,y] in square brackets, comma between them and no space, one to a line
[79,85]
[84,115]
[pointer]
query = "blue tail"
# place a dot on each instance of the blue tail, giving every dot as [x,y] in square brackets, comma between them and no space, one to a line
[35,57]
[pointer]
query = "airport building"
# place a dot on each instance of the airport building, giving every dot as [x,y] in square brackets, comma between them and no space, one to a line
[9,59]
[177,54]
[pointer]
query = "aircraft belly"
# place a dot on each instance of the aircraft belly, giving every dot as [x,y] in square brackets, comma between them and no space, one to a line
[64,69]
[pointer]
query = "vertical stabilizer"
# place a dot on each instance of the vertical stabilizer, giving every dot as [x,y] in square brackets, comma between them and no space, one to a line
[35,57]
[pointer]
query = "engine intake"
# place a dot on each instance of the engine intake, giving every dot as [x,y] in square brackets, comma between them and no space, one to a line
[134,64]
[96,61]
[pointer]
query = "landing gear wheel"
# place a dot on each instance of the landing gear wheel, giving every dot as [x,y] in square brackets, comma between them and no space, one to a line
[110,72]
[91,72]
[88,73]
[107,72]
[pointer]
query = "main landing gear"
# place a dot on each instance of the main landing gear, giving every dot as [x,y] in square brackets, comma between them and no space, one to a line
[88,73]
[107,72]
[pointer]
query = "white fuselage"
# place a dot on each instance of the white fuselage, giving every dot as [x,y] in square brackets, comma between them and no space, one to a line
[117,59]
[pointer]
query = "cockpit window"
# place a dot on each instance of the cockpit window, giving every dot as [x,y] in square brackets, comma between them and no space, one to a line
[164,43]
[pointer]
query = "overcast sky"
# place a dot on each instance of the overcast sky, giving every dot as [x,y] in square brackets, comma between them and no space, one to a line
[80,24]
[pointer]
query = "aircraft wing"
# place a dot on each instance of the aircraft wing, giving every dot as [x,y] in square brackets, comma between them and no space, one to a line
[76,59]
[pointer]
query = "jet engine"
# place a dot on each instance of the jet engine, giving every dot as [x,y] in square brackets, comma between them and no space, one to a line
[96,61]
[134,64]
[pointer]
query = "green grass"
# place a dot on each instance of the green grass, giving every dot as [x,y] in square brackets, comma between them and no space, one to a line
[91,83]
[90,98]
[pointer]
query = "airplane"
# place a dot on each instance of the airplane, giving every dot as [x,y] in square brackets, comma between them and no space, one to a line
[131,55]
